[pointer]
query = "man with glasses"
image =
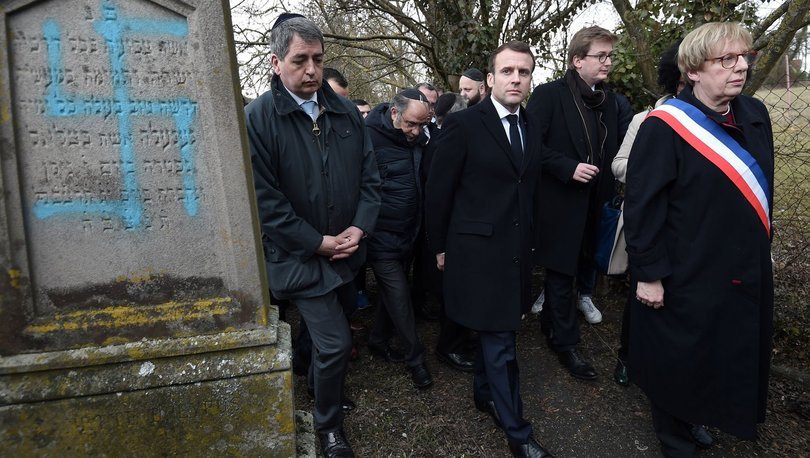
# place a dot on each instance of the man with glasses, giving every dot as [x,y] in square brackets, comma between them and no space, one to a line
[578,118]
[398,139]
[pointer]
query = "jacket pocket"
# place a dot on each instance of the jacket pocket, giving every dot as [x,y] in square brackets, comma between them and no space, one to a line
[474,228]
[287,275]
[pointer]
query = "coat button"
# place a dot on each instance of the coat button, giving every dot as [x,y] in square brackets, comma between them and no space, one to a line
[516,259]
[515,222]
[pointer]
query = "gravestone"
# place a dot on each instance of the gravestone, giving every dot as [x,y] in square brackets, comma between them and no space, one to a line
[134,315]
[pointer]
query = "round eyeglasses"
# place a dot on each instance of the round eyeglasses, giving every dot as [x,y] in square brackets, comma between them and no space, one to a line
[730,60]
[602,57]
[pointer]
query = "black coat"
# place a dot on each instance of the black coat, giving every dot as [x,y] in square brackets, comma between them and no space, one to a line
[399,164]
[566,204]
[704,357]
[479,212]
[308,186]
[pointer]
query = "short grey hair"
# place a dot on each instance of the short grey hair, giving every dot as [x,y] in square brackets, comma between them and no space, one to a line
[282,35]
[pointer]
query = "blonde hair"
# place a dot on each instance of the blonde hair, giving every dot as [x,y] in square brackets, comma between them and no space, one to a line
[698,45]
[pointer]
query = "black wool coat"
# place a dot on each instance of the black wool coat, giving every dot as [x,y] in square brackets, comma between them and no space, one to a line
[566,204]
[308,186]
[479,204]
[705,355]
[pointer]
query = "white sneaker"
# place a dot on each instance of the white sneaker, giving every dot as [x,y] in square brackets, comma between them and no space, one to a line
[538,304]
[587,307]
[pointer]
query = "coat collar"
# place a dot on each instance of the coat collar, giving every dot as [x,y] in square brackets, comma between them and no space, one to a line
[492,123]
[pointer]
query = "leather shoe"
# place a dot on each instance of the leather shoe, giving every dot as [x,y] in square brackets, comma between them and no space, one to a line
[335,445]
[346,404]
[488,407]
[421,376]
[620,374]
[701,436]
[386,352]
[458,361]
[531,449]
[576,364]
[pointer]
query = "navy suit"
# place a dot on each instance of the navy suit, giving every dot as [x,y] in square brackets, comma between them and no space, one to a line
[479,211]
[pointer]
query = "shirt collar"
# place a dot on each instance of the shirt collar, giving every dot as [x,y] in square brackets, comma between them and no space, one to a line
[299,100]
[502,110]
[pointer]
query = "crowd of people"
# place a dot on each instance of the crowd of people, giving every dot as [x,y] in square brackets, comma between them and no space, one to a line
[462,195]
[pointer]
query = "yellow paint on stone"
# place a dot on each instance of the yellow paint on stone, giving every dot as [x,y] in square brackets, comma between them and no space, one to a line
[133,315]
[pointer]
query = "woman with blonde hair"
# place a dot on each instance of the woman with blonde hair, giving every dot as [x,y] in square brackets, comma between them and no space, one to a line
[698,227]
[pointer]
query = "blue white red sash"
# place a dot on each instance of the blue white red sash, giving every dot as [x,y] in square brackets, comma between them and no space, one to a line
[716,145]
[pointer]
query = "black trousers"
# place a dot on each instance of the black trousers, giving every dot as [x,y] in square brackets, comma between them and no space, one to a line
[302,344]
[559,321]
[496,378]
[331,348]
[395,311]
[673,434]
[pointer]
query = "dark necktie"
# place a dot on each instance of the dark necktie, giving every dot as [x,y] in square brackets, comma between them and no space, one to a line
[514,137]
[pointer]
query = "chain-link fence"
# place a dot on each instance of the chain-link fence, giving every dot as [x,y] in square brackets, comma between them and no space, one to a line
[789,107]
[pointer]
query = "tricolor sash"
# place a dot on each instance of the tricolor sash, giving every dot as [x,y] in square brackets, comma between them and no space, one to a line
[716,145]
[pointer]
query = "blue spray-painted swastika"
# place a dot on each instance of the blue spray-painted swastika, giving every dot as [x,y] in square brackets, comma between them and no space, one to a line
[113,28]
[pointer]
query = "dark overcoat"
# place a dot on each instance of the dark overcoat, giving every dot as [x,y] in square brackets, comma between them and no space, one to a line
[565,205]
[308,186]
[704,357]
[479,203]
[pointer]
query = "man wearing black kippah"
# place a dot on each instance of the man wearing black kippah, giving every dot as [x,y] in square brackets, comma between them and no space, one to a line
[398,139]
[471,86]
[317,189]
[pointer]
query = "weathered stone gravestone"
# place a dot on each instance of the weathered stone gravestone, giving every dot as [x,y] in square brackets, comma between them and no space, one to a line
[134,317]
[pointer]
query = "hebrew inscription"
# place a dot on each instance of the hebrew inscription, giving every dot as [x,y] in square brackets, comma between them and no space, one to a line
[108,119]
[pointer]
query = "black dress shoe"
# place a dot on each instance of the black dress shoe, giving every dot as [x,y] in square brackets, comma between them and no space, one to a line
[531,449]
[335,445]
[346,404]
[620,374]
[421,376]
[702,437]
[576,365]
[488,407]
[458,361]
[386,352]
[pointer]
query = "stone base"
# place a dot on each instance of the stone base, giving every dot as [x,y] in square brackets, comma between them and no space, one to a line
[206,407]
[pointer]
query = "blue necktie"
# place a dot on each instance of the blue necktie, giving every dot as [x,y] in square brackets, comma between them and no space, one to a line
[311,108]
[514,137]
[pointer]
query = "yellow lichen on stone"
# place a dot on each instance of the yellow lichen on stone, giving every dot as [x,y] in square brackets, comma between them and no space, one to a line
[132,315]
[14,278]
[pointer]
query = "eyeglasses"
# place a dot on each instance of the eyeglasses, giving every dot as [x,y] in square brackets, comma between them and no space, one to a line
[602,57]
[730,60]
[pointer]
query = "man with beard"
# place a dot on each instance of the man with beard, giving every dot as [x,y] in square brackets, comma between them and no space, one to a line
[471,86]
[397,136]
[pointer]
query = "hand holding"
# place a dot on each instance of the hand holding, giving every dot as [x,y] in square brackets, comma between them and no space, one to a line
[348,242]
[585,172]
[440,261]
[650,294]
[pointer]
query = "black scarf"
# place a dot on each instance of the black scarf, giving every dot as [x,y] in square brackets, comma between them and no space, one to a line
[586,98]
